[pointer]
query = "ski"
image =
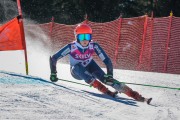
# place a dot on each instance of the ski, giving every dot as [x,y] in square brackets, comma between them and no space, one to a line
[114,94]
[148,100]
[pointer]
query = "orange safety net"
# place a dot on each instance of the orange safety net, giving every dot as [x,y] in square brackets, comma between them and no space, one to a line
[140,43]
[173,61]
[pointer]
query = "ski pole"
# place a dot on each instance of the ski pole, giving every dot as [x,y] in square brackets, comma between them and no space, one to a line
[152,85]
[73,82]
[126,83]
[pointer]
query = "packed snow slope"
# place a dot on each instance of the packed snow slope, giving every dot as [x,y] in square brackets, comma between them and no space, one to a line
[27,97]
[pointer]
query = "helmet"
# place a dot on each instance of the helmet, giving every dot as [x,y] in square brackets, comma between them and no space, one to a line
[82,29]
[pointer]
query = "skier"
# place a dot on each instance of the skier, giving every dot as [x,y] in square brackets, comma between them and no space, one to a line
[82,65]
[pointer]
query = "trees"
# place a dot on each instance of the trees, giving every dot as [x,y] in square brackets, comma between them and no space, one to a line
[73,11]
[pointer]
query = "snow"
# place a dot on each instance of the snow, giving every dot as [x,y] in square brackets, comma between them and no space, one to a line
[34,97]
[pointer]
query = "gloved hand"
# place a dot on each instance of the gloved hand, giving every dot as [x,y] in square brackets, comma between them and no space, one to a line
[108,76]
[108,79]
[53,77]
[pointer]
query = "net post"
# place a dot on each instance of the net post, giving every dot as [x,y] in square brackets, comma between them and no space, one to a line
[118,40]
[167,42]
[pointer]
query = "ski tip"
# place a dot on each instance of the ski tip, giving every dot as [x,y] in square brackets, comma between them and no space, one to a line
[115,94]
[149,101]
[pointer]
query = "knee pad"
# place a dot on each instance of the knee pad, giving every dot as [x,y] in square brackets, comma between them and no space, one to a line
[119,87]
[109,82]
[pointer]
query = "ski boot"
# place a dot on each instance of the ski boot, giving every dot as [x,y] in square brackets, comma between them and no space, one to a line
[122,88]
[103,89]
[148,100]
[129,92]
[112,94]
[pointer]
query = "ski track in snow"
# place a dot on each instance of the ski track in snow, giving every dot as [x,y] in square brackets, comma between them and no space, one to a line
[31,98]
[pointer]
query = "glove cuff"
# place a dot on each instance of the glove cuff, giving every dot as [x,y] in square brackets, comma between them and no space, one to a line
[108,75]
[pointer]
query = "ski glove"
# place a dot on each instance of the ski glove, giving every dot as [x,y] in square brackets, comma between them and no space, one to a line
[108,76]
[53,77]
[109,80]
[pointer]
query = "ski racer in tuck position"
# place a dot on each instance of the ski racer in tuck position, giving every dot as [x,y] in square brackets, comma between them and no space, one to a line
[82,65]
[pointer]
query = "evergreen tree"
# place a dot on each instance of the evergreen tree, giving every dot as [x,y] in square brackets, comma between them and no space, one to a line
[73,11]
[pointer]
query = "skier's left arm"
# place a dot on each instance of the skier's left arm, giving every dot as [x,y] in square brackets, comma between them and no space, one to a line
[104,57]
[53,61]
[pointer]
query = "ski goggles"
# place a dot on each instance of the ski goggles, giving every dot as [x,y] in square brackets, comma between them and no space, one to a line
[82,37]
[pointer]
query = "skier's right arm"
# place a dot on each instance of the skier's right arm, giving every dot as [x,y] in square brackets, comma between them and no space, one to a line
[53,61]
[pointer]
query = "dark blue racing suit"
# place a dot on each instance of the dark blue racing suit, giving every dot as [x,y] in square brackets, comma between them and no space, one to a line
[81,61]
[84,67]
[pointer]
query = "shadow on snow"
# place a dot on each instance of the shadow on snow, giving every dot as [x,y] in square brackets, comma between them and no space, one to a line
[117,99]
